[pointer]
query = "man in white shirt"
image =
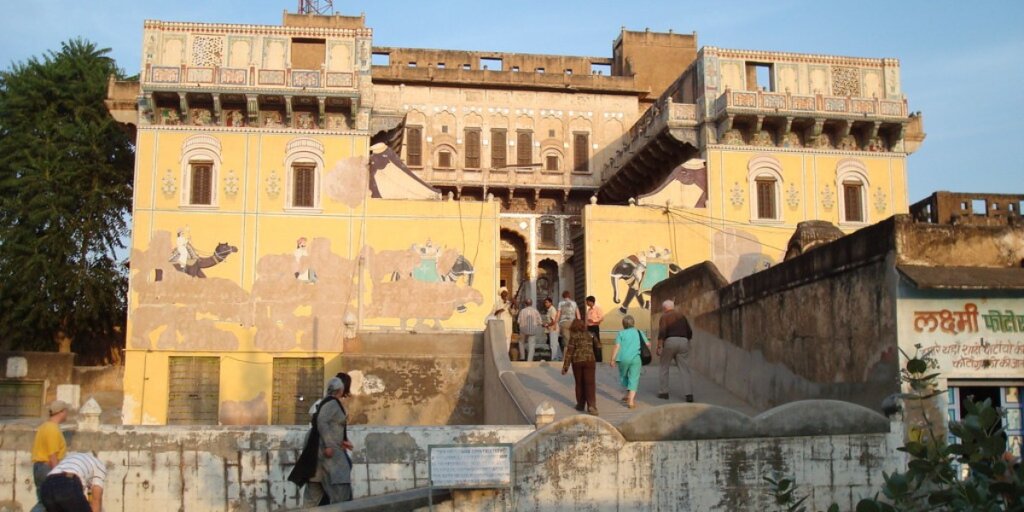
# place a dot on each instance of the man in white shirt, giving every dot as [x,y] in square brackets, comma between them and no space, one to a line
[74,477]
[530,328]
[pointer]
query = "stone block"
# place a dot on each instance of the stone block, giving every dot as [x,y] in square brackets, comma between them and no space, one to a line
[17,367]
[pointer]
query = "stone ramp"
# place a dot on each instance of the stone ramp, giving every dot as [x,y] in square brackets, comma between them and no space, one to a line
[545,382]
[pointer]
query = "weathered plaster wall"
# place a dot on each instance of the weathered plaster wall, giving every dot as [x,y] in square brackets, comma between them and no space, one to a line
[681,457]
[279,281]
[229,469]
[416,379]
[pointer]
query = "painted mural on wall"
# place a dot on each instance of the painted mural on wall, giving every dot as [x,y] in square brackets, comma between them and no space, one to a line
[188,260]
[391,179]
[173,309]
[424,282]
[639,272]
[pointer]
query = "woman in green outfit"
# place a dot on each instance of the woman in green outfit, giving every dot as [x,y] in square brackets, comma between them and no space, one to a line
[626,355]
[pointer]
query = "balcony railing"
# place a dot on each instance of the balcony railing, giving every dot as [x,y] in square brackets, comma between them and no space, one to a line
[191,76]
[816,104]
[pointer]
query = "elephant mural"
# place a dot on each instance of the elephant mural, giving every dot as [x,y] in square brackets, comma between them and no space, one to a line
[641,272]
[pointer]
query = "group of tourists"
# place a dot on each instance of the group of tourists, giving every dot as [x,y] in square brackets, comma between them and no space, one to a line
[578,336]
[65,482]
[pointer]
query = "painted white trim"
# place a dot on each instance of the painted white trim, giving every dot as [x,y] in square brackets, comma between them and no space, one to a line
[764,166]
[303,151]
[195,149]
[850,169]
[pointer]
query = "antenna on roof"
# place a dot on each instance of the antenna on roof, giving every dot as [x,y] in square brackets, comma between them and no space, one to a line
[322,7]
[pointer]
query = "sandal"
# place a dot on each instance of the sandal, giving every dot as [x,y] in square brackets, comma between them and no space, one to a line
[631,406]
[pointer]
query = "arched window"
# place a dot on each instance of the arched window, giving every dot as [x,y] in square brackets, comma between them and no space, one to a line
[852,184]
[444,157]
[552,160]
[304,164]
[200,167]
[764,177]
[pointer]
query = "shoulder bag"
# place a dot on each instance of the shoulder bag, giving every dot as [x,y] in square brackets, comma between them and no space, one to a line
[645,352]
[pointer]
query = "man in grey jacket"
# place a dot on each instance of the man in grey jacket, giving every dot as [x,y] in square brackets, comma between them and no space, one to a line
[332,423]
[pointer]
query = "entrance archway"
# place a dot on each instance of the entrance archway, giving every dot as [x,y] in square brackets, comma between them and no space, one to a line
[547,280]
[512,264]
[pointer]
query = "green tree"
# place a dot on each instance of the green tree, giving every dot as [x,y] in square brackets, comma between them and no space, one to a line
[65,193]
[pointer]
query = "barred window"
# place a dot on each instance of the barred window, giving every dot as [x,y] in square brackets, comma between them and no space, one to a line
[581,152]
[766,200]
[414,146]
[853,201]
[201,183]
[524,152]
[499,149]
[304,182]
[472,149]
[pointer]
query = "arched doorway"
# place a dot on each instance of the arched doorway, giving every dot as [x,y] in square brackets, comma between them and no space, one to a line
[547,280]
[512,263]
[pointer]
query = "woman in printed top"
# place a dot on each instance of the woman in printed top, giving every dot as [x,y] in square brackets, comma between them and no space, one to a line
[579,352]
[626,355]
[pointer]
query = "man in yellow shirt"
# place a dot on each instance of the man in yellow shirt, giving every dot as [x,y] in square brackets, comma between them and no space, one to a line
[49,446]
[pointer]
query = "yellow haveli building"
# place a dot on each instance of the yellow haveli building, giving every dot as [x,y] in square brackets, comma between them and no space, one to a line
[296,186]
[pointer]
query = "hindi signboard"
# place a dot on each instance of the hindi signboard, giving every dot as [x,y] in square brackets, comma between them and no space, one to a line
[480,466]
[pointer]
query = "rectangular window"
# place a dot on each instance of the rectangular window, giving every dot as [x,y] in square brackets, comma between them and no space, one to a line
[499,149]
[524,150]
[298,384]
[381,59]
[765,198]
[547,234]
[854,210]
[581,152]
[444,159]
[472,149]
[414,146]
[201,183]
[195,394]
[303,181]
[551,163]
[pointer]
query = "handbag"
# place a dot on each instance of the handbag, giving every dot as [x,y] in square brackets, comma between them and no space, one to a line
[645,352]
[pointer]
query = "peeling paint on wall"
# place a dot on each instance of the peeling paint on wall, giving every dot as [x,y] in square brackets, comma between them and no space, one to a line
[249,412]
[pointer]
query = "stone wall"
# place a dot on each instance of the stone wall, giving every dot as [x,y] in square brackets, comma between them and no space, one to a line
[508,402]
[676,457]
[52,367]
[821,325]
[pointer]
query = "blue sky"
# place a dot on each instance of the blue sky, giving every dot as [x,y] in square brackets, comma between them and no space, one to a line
[962,63]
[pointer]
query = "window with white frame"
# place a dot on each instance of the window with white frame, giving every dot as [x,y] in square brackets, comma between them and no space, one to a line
[852,184]
[304,162]
[200,165]
[764,176]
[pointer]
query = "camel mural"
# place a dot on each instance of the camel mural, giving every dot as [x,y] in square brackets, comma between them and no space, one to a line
[640,272]
[186,259]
